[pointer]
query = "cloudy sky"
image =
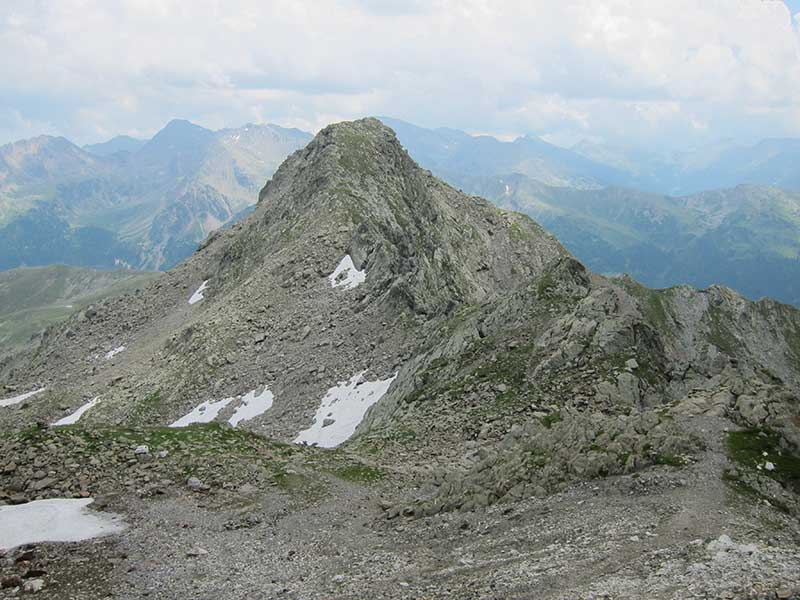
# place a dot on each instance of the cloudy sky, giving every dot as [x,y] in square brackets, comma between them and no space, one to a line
[636,72]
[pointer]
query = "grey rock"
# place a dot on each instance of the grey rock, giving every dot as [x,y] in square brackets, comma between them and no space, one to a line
[194,484]
[33,586]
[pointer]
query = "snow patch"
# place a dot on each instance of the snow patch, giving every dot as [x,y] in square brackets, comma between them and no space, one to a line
[54,520]
[203,413]
[112,353]
[251,406]
[71,419]
[342,410]
[20,398]
[198,295]
[346,275]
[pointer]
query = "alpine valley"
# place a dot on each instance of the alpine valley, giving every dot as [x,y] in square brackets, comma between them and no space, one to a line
[131,203]
[377,386]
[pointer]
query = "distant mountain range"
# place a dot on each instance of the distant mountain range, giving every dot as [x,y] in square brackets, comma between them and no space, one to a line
[771,162]
[746,237]
[147,204]
[462,158]
[127,202]
[121,144]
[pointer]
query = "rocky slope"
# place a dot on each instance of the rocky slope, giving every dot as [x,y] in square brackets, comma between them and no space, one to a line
[270,309]
[540,425]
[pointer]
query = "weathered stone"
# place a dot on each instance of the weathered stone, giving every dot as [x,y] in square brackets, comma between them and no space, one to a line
[194,484]
[33,586]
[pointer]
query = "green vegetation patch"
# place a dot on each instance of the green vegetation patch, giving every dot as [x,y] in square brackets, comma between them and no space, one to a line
[654,304]
[518,233]
[299,484]
[354,155]
[546,283]
[656,310]
[214,438]
[670,460]
[215,453]
[551,419]
[148,409]
[31,299]
[754,448]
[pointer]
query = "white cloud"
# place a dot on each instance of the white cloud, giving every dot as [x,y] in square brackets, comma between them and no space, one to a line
[642,70]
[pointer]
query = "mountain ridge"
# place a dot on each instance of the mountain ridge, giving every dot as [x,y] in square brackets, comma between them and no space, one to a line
[326,197]
[209,185]
[117,144]
[458,157]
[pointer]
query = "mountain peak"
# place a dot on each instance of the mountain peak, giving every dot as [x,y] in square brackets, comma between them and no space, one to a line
[343,155]
[182,124]
[358,136]
[366,124]
[355,186]
[178,148]
[38,143]
[182,132]
[45,157]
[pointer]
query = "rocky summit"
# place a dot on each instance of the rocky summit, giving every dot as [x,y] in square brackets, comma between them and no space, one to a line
[376,386]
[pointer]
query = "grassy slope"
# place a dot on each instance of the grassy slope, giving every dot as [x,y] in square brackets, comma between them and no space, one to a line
[33,298]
